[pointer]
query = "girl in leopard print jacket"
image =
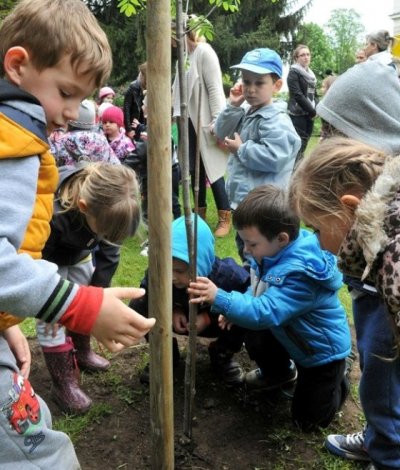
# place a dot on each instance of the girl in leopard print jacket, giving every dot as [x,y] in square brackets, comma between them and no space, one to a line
[350,194]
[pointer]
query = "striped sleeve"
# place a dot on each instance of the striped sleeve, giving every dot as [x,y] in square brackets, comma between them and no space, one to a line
[75,307]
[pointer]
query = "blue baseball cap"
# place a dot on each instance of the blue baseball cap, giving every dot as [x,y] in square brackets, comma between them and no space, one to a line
[261,61]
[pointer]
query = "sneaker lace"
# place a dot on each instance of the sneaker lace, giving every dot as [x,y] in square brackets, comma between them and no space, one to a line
[356,439]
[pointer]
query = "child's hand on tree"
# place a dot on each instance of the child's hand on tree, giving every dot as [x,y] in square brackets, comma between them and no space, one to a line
[203,290]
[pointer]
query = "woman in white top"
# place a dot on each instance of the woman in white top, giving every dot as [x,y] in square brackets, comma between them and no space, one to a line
[204,71]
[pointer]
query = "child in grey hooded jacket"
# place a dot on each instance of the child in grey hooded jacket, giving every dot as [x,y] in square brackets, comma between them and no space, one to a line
[260,137]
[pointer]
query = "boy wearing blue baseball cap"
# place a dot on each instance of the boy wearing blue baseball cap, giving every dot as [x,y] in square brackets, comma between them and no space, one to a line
[259,135]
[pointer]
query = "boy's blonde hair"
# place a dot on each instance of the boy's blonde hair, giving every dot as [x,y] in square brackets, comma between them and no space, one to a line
[336,167]
[112,196]
[51,29]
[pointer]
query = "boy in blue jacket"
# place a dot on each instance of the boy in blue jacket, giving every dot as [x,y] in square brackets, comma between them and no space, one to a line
[292,305]
[225,273]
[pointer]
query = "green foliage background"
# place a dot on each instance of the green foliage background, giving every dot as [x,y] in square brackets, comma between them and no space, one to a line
[260,23]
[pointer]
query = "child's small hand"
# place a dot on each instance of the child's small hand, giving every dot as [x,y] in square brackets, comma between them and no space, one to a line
[223,323]
[233,144]
[236,97]
[135,123]
[117,325]
[202,321]
[20,348]
[179,322]
[203,290]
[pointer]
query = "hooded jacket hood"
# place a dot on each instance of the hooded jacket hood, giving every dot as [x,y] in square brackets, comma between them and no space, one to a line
[364,103]
[205,244]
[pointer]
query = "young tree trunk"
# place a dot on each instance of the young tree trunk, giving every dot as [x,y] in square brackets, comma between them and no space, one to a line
[160,210]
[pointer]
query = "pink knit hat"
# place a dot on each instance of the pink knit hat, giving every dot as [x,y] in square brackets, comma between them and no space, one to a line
[113,114]
[106,90]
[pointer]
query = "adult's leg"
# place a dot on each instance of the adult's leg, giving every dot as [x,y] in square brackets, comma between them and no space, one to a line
[304,127]
[224,210]
[220,196]
[176,178]
[202,202]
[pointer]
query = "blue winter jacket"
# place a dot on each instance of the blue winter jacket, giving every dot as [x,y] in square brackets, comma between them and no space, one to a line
[295,295]
[267,154]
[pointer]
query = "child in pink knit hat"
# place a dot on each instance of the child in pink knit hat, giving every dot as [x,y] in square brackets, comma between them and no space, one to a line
[104,100]
[113,127]
[106,95]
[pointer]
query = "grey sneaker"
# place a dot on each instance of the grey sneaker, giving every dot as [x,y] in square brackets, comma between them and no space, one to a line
[255,379]
[349,446]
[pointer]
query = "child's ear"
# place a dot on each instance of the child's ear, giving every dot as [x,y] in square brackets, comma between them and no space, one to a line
[14,61]
[82,206]
[278,85]
[283,239]
[350,201]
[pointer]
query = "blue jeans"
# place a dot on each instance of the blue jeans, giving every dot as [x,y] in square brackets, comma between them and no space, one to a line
[380,381]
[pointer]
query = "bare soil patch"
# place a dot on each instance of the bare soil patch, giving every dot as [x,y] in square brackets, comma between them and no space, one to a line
[233,429]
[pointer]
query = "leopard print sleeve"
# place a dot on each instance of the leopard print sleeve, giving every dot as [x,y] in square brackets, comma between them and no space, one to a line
[388,278]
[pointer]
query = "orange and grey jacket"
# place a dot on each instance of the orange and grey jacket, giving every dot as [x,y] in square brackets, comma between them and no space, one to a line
[29,286]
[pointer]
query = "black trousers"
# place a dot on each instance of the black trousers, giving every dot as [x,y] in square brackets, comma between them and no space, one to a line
[319,391]
[319,394]
[304,126]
